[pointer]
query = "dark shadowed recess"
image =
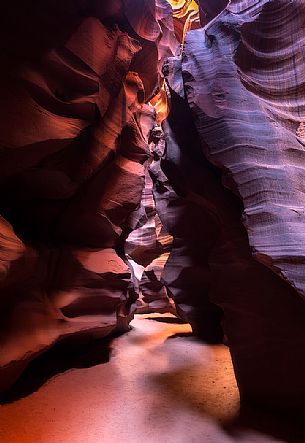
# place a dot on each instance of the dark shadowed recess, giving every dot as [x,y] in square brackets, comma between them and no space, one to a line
[170,320]
[65,355]
[284,427]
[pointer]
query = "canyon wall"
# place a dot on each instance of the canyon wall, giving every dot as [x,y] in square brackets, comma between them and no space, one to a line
[203,199]
[234,158]
[74,157]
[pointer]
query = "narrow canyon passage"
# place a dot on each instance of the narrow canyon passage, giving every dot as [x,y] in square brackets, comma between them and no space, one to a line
[160,385]
[152,221]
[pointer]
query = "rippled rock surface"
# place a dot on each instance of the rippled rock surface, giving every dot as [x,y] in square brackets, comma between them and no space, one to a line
[227,178]
[242,79]
[75,77]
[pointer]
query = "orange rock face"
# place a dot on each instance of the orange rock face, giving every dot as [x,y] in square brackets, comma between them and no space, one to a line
[73,162]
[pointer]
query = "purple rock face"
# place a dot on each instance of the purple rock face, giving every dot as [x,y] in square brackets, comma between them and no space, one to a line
[149,244]
[244,92]
[242,80]
[211,8]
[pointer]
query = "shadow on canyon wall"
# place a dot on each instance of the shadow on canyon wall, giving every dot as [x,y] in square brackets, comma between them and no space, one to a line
[66,355]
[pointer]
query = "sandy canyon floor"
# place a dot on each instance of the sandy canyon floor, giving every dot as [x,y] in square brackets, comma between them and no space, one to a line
[159,385]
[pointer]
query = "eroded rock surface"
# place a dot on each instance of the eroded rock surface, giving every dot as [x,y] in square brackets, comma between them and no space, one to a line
[73,159]
[242,80]
[226,168]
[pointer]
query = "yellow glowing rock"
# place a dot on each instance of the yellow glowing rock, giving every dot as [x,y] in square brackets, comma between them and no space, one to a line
[160,103]
[187,12]
[182,8]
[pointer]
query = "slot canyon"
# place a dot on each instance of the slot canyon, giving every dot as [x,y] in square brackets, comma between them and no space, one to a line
[152,221]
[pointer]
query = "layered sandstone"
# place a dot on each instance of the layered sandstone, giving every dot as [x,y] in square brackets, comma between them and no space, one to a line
[73,165]
[82,152]
[239,82]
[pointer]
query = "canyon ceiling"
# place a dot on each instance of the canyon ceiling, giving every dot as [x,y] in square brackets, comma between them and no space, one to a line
[153,159]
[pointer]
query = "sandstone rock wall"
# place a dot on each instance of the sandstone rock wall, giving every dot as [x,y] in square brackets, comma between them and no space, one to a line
[234,157]
[73,159]
[227,174]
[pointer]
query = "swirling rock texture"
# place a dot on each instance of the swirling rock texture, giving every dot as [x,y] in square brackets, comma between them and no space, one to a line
[227,173]
[149,245]
[148,248]
[240,82]
[75,78]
